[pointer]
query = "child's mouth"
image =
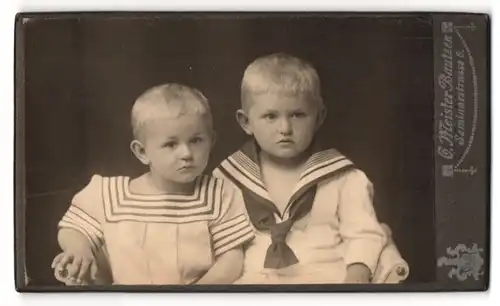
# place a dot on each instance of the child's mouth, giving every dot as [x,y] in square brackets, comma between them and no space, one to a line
[186,168]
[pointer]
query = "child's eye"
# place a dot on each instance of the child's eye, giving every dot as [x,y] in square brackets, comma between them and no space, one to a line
[170,144]
[196,140]
[269,116]
[299,115]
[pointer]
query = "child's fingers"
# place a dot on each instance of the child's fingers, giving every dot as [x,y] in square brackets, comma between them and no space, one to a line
[60,263]
[56,260]
[65,260]
[70,281]
[74,268]
[93,270]
[84,269]
[61,277]
[60,273]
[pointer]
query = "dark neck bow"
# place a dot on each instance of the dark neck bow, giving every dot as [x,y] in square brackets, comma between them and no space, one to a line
[263,213]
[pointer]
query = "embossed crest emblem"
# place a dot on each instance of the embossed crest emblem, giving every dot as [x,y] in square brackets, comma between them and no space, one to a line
[466,262]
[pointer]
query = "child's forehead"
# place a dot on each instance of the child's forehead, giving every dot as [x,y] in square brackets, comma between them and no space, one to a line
[165,118]
[173,109]
[282,100]
[176,126]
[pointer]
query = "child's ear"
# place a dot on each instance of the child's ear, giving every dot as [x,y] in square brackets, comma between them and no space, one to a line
[321,117]
[242,119]
[139,151]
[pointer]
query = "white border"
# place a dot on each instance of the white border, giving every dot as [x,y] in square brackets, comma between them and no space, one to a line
[8,296]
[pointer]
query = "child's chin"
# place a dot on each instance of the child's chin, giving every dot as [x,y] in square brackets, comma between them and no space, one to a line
[286,154]
[185,179]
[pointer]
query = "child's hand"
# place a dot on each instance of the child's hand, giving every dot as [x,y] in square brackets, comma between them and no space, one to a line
[357,273]
[73,268]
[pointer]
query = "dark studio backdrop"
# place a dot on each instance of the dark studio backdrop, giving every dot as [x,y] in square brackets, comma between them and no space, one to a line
[83,74]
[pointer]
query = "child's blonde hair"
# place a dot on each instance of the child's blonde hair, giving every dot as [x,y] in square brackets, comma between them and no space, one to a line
[280,73]
[176,99]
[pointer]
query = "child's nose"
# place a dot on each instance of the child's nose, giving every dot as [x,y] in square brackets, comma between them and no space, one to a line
[185,152]
[285,126]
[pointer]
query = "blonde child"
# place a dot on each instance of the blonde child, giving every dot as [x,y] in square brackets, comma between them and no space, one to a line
[311,207]
[171,225]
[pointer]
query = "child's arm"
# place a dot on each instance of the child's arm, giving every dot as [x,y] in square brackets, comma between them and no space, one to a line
[226,269]
[230,232]
[74,263]
[71,240]
[80,234]
[359,227]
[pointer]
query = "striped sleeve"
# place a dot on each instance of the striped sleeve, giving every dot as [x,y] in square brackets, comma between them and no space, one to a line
[86,212]
[232,228]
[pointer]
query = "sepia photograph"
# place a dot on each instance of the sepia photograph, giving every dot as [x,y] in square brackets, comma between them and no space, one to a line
[248,149]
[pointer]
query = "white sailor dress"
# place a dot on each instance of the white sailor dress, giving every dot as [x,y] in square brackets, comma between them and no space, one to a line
[159,239]
[338,227]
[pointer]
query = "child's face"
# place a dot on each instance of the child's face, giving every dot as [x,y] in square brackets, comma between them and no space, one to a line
[283,126]
[177,149]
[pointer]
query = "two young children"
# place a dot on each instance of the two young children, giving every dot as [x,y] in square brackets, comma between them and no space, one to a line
[279,210]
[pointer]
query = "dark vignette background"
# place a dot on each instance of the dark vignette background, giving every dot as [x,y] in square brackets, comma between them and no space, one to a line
[83,74]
